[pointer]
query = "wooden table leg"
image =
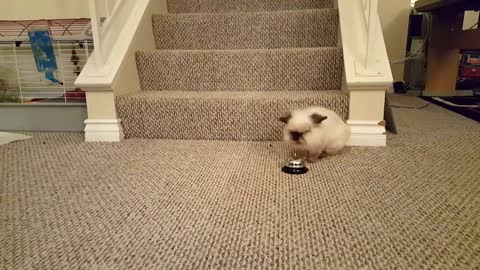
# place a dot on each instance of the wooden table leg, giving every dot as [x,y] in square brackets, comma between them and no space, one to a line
[442,71]
[443,60]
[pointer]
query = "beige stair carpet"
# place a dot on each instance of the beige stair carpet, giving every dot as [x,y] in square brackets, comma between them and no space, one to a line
[210,6]
[218,115]
[226,70]
[241,70]
[254,30]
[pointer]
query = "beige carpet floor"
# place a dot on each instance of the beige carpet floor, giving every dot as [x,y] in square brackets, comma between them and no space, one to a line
[152,204]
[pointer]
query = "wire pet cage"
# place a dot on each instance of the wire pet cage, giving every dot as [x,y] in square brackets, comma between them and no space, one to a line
[20,82]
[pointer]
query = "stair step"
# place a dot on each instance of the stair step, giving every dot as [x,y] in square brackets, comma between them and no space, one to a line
[302,69]
[257,30]
[194,6]
[210,115]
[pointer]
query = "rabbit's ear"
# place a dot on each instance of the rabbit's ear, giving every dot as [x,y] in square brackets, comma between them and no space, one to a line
[285,118]
[317,118]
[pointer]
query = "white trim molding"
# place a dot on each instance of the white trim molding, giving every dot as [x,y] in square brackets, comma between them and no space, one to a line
[364,51]
[103,130]
[367,133]
[367,72]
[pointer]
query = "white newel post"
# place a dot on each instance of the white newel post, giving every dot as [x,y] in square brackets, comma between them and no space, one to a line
[102,124]
[367,70]
[111,70]
[366,118]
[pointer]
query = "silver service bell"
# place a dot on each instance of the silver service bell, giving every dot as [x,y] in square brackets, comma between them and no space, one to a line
[295,165]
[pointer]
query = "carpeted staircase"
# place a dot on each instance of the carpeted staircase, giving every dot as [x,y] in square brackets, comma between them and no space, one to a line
[226,70]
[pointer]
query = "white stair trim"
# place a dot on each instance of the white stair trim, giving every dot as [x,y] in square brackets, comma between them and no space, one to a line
[367,133]
[363,42]
[103,130]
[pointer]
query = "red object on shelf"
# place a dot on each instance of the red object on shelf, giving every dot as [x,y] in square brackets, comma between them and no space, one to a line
[470,72]
[75,94]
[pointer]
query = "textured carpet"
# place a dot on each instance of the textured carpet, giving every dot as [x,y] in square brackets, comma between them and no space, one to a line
[220,115]
[241,70]
[256,30]
[149,204]
[404,101]
[208,6]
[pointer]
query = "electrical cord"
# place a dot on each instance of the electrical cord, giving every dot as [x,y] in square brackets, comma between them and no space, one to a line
[422,48]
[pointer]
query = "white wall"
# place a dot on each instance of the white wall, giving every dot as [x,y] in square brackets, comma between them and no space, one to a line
[394,19]
[470,19]
[43,9]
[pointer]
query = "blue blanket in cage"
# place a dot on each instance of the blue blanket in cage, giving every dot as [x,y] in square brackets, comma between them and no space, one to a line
[42,49]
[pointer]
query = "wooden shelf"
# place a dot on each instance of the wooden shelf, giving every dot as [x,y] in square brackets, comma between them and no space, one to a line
[433,5]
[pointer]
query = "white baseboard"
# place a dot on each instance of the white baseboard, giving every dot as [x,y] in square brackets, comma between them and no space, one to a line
[367,133]
[103,130]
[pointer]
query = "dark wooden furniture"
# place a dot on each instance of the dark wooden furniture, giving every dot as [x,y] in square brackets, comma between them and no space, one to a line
[446,40]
